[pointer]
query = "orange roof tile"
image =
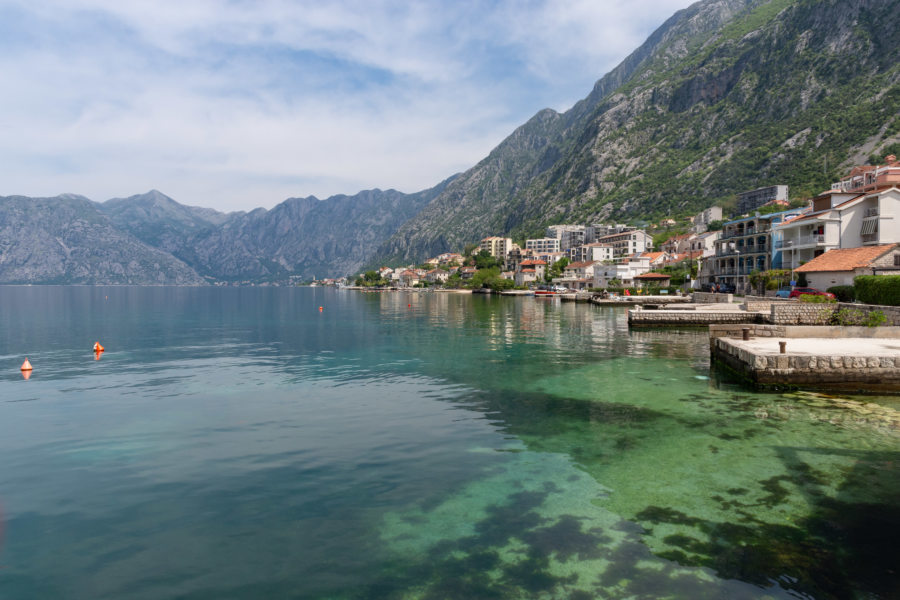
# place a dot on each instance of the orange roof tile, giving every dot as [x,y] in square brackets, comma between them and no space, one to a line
[845,259]
[653,276]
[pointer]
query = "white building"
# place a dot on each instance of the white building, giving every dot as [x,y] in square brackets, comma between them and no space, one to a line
[497,247]
[590,252]
[624,271]
[705,243]
[702,220]
[542,245]
[840,220]
[628,242]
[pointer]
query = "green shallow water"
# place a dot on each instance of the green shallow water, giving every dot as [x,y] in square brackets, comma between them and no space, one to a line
[237,443]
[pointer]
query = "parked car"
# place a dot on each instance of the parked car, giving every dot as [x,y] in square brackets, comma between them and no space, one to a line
[784,292]
[808,291]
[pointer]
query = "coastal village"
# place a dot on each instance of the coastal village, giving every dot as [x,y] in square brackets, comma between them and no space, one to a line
[851,229]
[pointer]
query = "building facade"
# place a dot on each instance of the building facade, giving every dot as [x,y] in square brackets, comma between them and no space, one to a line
[753,199]
[628,242]
[497,247]
[540,245]
[746,246]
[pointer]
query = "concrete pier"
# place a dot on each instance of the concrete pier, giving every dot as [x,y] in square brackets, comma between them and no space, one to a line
[818,357]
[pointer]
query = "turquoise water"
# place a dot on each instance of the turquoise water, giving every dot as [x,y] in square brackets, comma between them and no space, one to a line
[239,443]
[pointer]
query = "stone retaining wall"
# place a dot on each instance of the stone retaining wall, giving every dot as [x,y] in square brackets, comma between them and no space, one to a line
[710,298]
[758,303]
[686,318]
[803,313]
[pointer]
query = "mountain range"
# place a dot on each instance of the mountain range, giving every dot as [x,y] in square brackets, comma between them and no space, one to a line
[726,95]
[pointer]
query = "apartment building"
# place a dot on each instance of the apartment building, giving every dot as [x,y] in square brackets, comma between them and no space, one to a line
[497,247]
[590,252]
[745,246]
[701,221]
[753,199]
[628,242]
[868,178]
[594,232]
[545,244]
[568,235]
[840,219]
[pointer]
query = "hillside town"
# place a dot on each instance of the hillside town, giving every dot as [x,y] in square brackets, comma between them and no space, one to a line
[850,229]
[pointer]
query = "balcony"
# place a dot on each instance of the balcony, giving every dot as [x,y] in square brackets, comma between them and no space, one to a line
[871,212]
[805,240]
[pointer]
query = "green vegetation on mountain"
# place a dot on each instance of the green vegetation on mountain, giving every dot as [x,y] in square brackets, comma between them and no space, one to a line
[726,96]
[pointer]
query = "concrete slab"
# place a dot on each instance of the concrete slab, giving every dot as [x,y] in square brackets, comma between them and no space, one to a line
[823,346]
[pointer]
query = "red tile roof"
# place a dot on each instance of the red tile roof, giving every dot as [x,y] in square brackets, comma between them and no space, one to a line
[845,259]
[653,276]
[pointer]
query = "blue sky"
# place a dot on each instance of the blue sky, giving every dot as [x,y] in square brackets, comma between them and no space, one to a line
[238,104]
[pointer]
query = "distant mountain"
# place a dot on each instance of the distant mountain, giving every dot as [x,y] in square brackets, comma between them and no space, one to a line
[302,236]
[159,221]
[726,96]
[67,240]
[152,239]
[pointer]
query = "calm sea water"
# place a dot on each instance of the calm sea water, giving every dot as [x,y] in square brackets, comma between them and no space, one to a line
[239,443]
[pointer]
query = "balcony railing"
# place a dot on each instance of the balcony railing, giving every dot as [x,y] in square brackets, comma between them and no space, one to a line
[871,212]
[806,240]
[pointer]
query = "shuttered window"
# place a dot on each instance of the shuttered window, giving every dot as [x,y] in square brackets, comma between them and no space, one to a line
[869,227]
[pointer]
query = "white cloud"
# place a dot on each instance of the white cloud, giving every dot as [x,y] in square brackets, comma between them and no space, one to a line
[241,104]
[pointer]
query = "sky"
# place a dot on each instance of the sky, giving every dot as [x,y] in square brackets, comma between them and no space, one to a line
[237,104]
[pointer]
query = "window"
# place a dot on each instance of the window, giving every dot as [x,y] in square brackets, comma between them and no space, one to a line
[897,260]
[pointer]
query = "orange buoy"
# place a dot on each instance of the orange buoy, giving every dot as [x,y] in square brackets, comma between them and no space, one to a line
[320,309]
[26,366]
[409,306]
[98,347]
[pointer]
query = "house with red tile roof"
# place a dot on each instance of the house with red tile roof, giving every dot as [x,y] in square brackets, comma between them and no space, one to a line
[530,271]
[840,266]
[840,219]
[657,259]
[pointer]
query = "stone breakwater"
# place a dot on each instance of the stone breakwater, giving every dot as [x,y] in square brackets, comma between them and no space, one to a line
[855,358]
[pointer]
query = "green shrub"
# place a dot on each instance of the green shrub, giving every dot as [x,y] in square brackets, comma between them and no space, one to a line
[878,289]
[844,293]
[811,299]
[856,317]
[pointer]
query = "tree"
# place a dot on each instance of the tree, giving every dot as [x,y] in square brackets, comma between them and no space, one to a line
[484,260]
[556,269]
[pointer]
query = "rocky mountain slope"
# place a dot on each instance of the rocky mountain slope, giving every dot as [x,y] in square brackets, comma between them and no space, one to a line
[727,95]
[67,240]
[301,236]
[151,239]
